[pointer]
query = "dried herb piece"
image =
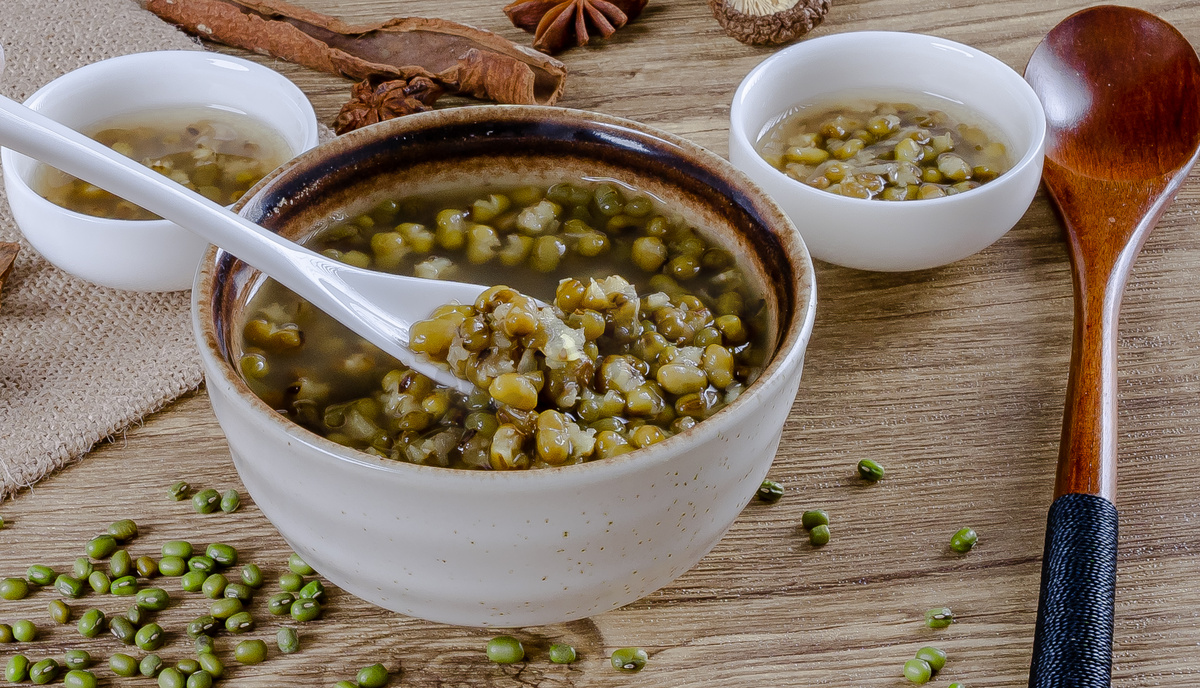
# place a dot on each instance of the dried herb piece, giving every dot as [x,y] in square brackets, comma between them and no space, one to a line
[459,58]
[560,24]
[768,22]
[8,254]
[378,98]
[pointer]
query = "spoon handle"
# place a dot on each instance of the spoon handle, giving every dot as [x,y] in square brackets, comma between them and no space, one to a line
[1072,643]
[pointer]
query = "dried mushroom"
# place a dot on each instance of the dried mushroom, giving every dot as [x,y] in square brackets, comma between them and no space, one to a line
[560,24]
[768,22]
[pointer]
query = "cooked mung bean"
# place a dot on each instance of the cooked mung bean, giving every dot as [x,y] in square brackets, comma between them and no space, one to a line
[888,151]
[678,336]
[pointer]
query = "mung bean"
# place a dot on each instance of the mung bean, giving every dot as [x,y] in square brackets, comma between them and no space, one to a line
[239,591]
[298,565]
[150,637]
[202,563]
[202,625]
[44,671]
[288,640]
[963,540]
[68,586]
[813,518]
[561,653]
[252,576]
[24,631]
[870,470]
[124,586]
[122,629]
[211,664]
[91,624]
[40,575]
[214,585]
[82,568]
[150,665]
[505,649]
[14,588]
[629,659]
[917,671]
[60,613]
[250,652]
[154,599]
[121,565]
[177,548]
[770,491]
[221,553]
[230,501]
[374,676]
[136,615]
[101,546]
[313,590]
[146,567]
[280,603]
[939,617]
[240,622]
[291,582]
[6,634]
[77,659]
[305,610]
[17,669]
[205,645]
[78,678]
[819,535]
[178,491]
[123,530]
[200,679]
[187,667]
[934,657]
[172,566]
[171,678]
[99,582]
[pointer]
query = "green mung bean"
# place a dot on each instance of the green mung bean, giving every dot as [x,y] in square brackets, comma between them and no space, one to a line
[177,548]
[222,554]
[230,501]
[60,613]
[187,667]
[939,617]
[77,659]
[154,599]
[17,669]
[345,684]
[250,652]
[214,585]
[963,540]
[171,678]
[44,671]
[206,501]
[288,640]
[202,625]
[934,657]
[226,607]
[239,591]
[313,590]
[146,567]
[240,622]
[629,659]
[870,470]
[211,664]
[91,624]
[101,546]
[150,665]
[813,518]
[917,671]
[78,678]
[201,563]
[172,566]
[374,676]
[204,644]
[193,581]
[819,535]
[121,565]
[24,631]
[82,568]
[40,575]
[505,649]
[6,634]
[123,530]
[298,566]
[68,586]
[178,491]
[280,603]
[122,629]
[127,585]
[291,582]
[305,610]
[136,615]
[14,588]
[200,679]
[770,491]
[99,582]
[561,653]
[252,576]
[150,637]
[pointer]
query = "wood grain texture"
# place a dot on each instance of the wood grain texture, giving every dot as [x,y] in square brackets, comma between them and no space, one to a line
[953,378]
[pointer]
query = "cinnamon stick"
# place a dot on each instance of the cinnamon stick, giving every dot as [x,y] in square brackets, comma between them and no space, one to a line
[8,254]
[460,58]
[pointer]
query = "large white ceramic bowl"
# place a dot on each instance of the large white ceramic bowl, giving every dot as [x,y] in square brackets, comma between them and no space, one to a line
[526,547]
[143,255]
[880,235]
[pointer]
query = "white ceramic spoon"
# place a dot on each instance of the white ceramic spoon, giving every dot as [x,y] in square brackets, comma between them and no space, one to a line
[378,306]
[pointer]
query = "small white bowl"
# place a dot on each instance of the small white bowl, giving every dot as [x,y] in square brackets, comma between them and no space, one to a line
[881,235]
[144,255]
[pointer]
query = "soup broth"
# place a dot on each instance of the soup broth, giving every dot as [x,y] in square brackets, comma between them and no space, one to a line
[667,327]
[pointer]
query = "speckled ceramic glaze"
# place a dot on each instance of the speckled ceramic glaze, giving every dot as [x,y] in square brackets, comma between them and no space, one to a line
[524,548]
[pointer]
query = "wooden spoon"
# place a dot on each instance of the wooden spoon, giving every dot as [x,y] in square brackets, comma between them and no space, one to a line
[1121,90]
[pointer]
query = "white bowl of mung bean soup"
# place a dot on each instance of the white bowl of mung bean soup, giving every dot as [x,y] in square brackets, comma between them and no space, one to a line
[614,433]
[890,151]
[214,123]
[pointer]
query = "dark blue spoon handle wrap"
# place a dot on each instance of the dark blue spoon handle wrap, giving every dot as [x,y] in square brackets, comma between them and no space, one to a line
[1072,645]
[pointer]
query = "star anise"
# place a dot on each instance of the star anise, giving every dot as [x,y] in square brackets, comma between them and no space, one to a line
[378,99]
[560,24]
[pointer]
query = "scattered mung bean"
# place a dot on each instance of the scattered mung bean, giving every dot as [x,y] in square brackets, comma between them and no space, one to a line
[230,501]
[68,586]
[17,669]
[939,617]
[82,568]
[298,566]
[305,610]
[171,678]
[963,540]
[221,553]
[202,562]
[24,631]
[214,585]
[178,491]
[60,613]
[870,470]
[40,575]
[6,634]
[288,640]
[121,564]
[14,588]
[819,535]
[178,548]
[153,599]
[122,629]
[146,567]
[78,678]
[187,667]
[252,576]
[291,582]
[150,665]
[561,653]
[77,659]
[250,652]
[917,671]
[172,566]
[211,664]
[150,637]
[101,546]
[99,582]
[770,491]
[280,603]
[124,586]
[206,501]
[91,624]
[505,649]
[123,530]
[935,657]
[813,518]
[44,671]
[240,622]
[374,676]
[629,659]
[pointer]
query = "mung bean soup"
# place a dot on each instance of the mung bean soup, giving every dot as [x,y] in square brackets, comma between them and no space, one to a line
[649,328]
[892,151]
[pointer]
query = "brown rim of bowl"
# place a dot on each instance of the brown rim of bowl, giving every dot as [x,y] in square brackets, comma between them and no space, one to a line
[537,129]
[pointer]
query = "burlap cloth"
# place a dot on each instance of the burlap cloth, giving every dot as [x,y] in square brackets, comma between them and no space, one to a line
[78,363]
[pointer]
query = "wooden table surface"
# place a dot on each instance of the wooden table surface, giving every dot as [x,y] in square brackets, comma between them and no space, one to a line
[952,378]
